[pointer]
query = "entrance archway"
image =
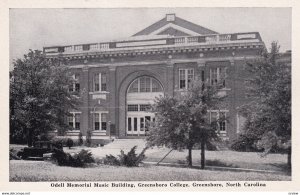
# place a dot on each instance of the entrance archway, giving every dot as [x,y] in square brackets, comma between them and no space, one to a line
[141,93]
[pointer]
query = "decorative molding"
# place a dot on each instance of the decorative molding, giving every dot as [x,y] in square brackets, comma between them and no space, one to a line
[112,67]
[85,68]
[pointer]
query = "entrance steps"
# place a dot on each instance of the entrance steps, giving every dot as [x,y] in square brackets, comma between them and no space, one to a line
[126,144]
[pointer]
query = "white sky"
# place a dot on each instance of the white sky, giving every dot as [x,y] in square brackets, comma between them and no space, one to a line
[36,28]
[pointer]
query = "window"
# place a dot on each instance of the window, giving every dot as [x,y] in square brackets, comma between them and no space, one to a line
[134,124]
[103,121]
[134,88]
[138,107]
[218,120]
[145,84]
[100,82]
[103,82]
[155,86]
[74,120]
[186,76]
[222,121]
[75,87]
[133,107]
[145,107]
[129,124]
[217,76]
[142,123]
[100,121]
[96,122]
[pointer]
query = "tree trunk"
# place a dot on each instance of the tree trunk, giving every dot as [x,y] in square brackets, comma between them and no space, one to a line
[189,159]
[202,154]
[29,137]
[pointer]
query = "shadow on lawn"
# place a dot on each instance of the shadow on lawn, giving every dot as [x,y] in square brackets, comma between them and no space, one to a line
[216,163]
[283,167]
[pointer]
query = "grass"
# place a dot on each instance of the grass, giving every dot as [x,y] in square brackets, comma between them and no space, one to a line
[247,160]
[46,171]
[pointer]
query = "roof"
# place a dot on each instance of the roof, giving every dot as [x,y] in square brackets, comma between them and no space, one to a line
[176,26]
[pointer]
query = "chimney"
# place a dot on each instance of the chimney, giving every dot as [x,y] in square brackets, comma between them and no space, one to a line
[170,17]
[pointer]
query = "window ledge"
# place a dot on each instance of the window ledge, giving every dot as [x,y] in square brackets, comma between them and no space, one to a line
[98,92]
[73,131]
[98,131]
[225,89]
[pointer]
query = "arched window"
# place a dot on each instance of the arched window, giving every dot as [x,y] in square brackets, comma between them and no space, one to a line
[145,84]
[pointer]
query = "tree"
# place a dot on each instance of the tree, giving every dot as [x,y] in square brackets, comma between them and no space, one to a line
[39,96]
[268,115]
[182,121]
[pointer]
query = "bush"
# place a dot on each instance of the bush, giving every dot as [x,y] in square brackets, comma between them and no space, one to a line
[77,160]
[80,140]
[70,143]
[244,144]
[131,159]
[111,160]
[60,141]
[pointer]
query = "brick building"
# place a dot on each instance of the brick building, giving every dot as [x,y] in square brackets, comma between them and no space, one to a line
[118,80]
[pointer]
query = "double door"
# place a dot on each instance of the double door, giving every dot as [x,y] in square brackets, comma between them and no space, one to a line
[138,123]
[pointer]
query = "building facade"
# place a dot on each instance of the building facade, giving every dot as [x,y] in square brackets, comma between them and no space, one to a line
[119,80]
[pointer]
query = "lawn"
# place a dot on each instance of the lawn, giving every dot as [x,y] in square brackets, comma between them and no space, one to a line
[233,159]
[46,171]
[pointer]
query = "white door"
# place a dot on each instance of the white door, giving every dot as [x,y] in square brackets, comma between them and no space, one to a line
[138,123]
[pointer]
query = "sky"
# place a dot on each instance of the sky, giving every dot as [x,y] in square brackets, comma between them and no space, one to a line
[36,28]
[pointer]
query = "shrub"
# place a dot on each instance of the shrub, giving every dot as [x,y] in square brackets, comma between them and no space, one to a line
[111,160]
[61,158]
[80,140]
[131,159]
[76,160]
[60,141]
[70,143]
[244,144]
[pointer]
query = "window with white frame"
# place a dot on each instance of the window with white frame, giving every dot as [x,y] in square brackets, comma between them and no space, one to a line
[75,86]
[186,76]
[145,84]
[100,83]
[100,121]
[74,120]
[217,76]
[218,120]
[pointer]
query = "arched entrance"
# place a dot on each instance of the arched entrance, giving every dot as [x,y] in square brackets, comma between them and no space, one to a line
[140,95]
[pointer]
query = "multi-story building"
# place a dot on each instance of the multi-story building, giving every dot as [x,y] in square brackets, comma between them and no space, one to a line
[118,80]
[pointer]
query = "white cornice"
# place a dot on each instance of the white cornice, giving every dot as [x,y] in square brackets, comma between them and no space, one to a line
[164,62]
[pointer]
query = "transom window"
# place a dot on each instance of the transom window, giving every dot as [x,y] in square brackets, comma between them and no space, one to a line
[186,76]
[217,76]
[100,121]
[100,82]
[145,84]
[219,119]
[138,107]
[74,120]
